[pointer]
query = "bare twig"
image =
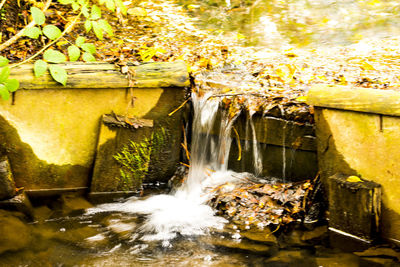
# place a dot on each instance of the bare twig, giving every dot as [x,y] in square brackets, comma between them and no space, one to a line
[21,32]
[237,94]
[178,108]
[69,28]
[2,4]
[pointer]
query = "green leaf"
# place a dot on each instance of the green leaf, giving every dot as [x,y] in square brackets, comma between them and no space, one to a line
[54,56]
[52,32]
[88,25]
[106,27]
[110,4]
[82,2]
[38,15]
[97,30]
[4,93]
[66,2]
[73,52]
[12,85]
[75,6]
[59,74]
[39,68]
[4,73]
[87,57]
[80,41]
[96,13]
[85,11]
[89,47]
[32,32]
[3,61]
[121,6]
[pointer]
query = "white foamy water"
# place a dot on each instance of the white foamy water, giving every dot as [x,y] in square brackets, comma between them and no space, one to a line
[185,212]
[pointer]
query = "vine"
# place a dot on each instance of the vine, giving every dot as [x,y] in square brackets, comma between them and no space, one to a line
[78,50]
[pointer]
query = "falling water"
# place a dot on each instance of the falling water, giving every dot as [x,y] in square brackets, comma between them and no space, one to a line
[284,152]
[185,212]
[256,155]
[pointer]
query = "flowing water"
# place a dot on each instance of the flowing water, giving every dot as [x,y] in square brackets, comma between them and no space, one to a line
[176,229]
[185,211]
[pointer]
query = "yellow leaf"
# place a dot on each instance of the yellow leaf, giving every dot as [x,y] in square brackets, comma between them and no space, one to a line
[366,66]
[61,43]
[302,98]
[137,11]
[240,36]
[10,29]
[353,179]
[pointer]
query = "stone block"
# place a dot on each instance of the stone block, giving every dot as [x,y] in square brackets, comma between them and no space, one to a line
[7,185]
[19,203]
[354,207]
[123,154]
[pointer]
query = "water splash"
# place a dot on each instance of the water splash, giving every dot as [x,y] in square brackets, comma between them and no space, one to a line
[185,212]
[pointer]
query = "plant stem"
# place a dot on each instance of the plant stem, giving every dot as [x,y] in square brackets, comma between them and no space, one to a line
[21,32]
[2,4]
[69,28]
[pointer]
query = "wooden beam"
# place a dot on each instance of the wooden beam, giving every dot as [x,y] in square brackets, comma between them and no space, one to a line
[386,102]
[105,75]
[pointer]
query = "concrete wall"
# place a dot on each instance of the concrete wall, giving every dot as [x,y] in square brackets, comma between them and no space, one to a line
[358,133]
[49,132]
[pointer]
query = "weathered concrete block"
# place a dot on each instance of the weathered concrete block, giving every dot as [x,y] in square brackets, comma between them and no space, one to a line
[7,185]
[354,207]
[58,151]
[358,133]
[123,154]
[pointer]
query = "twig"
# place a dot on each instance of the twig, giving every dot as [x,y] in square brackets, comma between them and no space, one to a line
[170,114]
[237,94]
[2,4]
[277,228]
[21,32]
[184,164]
[238,142]
[186,151]
[49,44]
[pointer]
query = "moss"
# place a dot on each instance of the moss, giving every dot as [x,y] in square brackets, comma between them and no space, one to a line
[134,159]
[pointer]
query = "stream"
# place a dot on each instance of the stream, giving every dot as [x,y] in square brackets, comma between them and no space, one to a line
[175,229]
[178,228]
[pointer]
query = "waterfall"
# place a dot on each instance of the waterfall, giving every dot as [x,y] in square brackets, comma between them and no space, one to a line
[185,212]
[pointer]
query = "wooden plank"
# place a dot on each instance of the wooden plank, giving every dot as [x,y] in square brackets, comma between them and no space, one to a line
[105,75]
[386,102]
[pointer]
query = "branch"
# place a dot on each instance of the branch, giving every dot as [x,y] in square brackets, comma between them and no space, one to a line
[21,32]
[2,4]
[69,28]
[238,94]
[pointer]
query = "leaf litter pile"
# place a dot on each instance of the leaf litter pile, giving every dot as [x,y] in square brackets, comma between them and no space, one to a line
[262,204]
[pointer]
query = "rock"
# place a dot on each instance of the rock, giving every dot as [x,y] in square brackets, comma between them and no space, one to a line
[378,262]
[74,236]
[290,258]
[7,185]
[315,235]
[14,233]
[241,245]
[42,213]
[20,203]
[379,252]
[259,235]
[71,202]
[343,259]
